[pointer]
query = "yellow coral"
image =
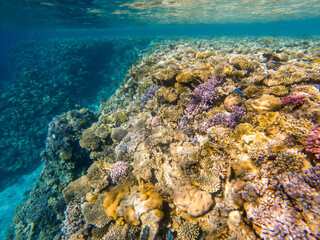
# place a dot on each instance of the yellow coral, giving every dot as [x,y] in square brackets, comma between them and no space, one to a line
[266,103]
[130,216]
[279,90]
[185,77]
[167,94]
[113,199]
[242,129]
[164,76]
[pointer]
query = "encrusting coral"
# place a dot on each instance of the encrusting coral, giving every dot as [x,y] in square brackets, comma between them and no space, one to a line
[193,201]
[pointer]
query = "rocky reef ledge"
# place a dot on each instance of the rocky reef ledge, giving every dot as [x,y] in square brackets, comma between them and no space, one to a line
[214,138]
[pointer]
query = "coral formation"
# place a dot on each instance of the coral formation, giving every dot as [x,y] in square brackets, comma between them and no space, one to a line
[202,140]
[266,103]
[204,97]
[193,201]
[293,100]
[74,226]
[313,141]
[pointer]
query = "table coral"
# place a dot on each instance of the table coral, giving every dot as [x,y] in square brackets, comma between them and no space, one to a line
[94,214]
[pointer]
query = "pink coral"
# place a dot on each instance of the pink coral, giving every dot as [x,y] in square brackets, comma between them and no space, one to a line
[119,171]
[155,121]
[293,100]
[313,142]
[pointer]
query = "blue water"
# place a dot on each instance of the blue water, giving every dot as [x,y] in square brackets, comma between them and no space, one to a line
[33,23]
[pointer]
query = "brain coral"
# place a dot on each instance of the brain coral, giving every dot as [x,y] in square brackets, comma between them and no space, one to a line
[193,201]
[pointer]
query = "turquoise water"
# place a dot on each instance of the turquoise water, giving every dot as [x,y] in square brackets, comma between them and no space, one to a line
[64,55]
[102,14]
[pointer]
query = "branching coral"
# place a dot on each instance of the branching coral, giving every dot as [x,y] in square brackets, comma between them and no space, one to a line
[149,94]
[293,100]
[287,205]
[204,97]
[313,142]
[74,225]
[117,171]
[226,119]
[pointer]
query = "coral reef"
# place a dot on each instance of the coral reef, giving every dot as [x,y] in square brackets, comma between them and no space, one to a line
[204,139]
[41,215]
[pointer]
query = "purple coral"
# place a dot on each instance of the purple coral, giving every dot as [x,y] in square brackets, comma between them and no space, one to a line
[204,97]
[226,119]
[119,171]
[149,94]
[183,122]
[313,141]
[277,218]
[155,121]
[293,100]
[286,206]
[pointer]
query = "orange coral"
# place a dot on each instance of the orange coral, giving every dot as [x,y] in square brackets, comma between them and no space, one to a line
[113,199]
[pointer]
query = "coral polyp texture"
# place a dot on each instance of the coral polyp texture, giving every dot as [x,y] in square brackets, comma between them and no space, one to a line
[204,97]
[293,100]
[313,141]
[213,138]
